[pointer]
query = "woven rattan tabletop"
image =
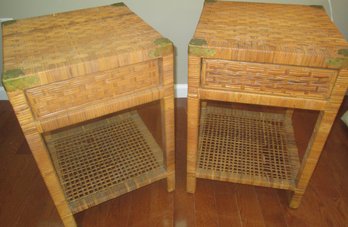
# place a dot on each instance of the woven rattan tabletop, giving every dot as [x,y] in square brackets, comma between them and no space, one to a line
[271,33]
[90,40]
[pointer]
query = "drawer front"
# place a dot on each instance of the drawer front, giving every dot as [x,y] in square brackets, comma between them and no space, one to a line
[268,78]
[89,89]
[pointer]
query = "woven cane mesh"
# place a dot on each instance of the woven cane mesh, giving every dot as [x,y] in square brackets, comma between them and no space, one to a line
[104,159]
[247,147]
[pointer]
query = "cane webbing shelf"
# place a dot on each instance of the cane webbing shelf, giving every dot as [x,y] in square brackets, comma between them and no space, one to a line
[104,159]
[247,147]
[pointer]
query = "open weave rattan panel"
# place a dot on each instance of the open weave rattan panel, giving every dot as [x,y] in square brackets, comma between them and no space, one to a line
[247,147]
[65,45]
[273,33]
[104,159]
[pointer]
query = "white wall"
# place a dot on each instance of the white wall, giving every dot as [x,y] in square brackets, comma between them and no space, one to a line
[175,19]
[340,15]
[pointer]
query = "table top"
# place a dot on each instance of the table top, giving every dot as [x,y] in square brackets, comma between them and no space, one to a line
[84,40]
[271,33]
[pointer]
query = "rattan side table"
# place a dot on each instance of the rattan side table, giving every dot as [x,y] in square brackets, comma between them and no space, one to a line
[288,56]
[64,75]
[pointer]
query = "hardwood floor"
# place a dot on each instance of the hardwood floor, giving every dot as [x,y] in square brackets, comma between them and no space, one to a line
[24,199]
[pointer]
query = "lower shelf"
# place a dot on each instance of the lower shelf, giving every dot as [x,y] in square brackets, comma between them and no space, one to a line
[247,147]
[105,159]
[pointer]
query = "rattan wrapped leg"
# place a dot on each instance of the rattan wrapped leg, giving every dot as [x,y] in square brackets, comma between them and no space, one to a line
[167,118]
[42,158]
[295,199]
[311,157]
[193,107]
[167,109]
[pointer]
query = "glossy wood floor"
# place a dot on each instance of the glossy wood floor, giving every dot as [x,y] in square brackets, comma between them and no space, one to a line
[24,200]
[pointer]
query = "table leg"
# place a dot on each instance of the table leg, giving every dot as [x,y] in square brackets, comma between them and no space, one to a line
[193,109]
[311,157]
[168,136]
[41,156]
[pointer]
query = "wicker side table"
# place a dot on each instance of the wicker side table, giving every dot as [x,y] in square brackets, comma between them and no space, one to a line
[64,70]
[288,56]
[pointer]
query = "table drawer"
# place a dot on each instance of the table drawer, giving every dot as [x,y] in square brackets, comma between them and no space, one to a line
[268,78]
[89,89]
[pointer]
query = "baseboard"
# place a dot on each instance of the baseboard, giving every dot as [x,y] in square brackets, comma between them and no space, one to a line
[3,95]
[180,90]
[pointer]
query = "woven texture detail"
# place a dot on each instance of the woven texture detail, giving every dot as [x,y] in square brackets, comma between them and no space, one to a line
[273,33]
[57,41]
[73,93]
[247,147]
[267,78]
[105,159]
